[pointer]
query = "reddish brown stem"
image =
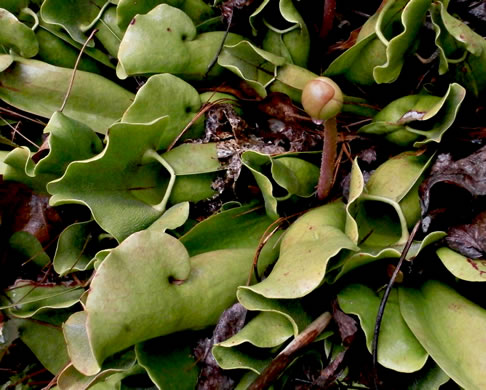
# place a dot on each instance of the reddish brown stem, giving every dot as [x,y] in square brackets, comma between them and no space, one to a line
[328,159]
[327,18]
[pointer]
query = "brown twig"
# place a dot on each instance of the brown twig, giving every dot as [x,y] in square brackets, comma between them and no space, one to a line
[307,336]
[71,82]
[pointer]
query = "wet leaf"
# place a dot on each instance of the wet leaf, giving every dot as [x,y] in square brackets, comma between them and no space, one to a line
[75,17]
[467,173]
[36,217]
[442,320]
[469,240]
[346,324]
[39,88]
[16,35]
[398,349]
[417,119]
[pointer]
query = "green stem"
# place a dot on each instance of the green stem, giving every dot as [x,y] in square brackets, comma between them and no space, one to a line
[328,159]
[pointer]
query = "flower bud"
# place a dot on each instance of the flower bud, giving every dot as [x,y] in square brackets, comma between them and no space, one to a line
[322,98]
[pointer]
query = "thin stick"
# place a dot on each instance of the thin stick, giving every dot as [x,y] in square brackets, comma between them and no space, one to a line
[71,82]
[384,299]
[220,49]
[328,159]
[275,368]
[16,131]
[13,113]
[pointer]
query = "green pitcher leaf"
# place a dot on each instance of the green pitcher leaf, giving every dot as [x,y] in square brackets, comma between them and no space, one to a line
[255,66]
[126,10]
[128,175]
[178,49]
[192,188]
[472,270]
[75,250]
[292,42]
[28,248]
[16,35]
[150,276]
[266,330]
[450,328]
[357,63]
[165,94]
[397,46]
[46,342]
[69,140]
[297,176]
[76,17]
[93,53]
[14,6]
[173,218]
[352,260]
[192,159]
[431,377]
[255,161]
[80,353]
[374,220]
[384,40]
[460,48]
[55,51]
[5,61]
[114,369]
[109,34]
[26,298]
[39,88]
[168,362]
[228,226]
[417,119]
[303,257]
[398,349]
[292,176]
